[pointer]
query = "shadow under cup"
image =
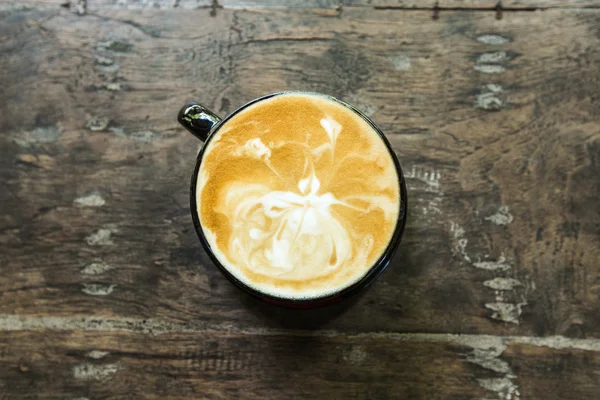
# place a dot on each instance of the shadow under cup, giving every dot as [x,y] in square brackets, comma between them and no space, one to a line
[203,124]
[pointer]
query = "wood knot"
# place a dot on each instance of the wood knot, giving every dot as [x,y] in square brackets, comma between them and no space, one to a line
[436,11]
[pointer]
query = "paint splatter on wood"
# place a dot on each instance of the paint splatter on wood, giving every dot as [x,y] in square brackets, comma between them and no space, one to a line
[502,217]
[460,241]
[490,97]
[506,312]
[355,355]
[97,124]
[97,289]
[492,39]
[102,237]
[37,136]
[502,283]
[97,354]
[96,268]
[93,199]
[489,68]
[401,62]
[501,264]
[96,372]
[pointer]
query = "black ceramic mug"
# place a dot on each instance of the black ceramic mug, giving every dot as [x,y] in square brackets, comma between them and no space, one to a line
[203,124]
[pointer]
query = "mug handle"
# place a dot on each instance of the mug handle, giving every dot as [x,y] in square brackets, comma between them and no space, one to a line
[197,119]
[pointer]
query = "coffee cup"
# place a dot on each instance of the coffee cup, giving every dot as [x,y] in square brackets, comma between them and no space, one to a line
[297,197]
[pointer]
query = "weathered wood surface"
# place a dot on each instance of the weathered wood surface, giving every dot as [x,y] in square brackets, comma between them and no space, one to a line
[504,194]
[494,121]
[509,5]
[82,6]
[284,364]
[237,366]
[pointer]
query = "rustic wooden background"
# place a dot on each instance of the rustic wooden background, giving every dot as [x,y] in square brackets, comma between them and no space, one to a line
[493,110]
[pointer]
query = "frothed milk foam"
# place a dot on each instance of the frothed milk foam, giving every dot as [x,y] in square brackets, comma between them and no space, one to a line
[297,196]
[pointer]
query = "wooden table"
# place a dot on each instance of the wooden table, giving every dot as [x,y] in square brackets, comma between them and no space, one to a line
[493,111]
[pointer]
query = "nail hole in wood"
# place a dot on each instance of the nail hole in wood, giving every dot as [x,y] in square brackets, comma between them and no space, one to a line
[499,10]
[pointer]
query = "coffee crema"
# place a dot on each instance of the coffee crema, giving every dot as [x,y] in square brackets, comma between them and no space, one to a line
[298,196]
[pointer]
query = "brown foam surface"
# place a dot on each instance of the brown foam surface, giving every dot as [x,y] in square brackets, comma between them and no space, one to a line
[298,196]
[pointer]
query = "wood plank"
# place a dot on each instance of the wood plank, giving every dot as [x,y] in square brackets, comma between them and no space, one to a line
[83,6]
[270,4]
[577,372]
[495,123]
[211,366]
[507,5]
[287,364]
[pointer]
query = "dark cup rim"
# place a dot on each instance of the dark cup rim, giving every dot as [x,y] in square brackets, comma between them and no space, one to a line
[376,269]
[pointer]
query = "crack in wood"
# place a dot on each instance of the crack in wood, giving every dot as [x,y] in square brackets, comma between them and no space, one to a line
[498,8]
[286,39]
[11,322]
[213,8]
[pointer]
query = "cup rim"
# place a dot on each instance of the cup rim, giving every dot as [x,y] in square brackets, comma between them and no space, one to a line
[376,269]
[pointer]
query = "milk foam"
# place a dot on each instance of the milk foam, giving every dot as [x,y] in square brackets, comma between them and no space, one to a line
[290,229]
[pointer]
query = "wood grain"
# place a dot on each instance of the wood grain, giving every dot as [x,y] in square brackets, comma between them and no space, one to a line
[506,5]
[83,6]
[495,123]
[577,371]
[500,189]
[220,365]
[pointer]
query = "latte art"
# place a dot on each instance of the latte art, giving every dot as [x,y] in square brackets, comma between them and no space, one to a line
[297,196]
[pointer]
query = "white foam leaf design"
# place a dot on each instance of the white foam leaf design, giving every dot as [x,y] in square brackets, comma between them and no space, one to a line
[332,127]
[303,185]
[277,232]
[286,230]
[254,148]
[313,181]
